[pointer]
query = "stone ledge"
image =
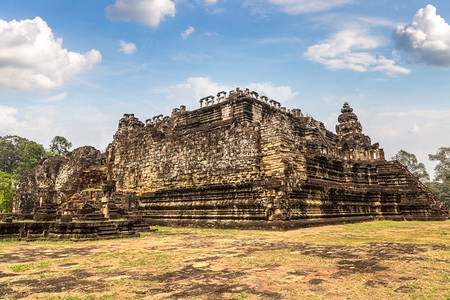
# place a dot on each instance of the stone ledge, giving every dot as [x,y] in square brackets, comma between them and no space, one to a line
[280,225]
[95,230]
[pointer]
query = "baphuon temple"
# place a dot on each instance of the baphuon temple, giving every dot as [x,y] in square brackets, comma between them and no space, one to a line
[239,161]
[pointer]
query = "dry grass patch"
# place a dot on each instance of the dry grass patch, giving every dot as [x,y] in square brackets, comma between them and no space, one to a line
[372,260]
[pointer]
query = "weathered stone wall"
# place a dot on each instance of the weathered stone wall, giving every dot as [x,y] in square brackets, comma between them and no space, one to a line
[55,179]
[202,172]
[226,154]
[31,231]
[283,163]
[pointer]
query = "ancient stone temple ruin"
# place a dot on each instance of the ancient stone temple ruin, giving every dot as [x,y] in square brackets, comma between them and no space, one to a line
[240,160]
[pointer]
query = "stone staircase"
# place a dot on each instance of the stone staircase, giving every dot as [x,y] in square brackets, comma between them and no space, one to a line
[435,203]
[45,212]
[107,230]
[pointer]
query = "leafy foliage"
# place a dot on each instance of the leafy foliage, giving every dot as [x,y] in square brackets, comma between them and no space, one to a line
[410,161]
[19,155]
[441,185]
[59,145]
[8,186]
[441,189]
[442,169]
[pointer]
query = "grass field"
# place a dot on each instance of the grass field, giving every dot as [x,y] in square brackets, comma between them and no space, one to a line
[372,260]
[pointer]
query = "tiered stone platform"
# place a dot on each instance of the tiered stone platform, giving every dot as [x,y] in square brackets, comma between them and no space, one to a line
[239,161]
[32,230]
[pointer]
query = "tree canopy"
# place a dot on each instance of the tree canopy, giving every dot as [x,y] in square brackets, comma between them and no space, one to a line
[19,155]
[8,186]
[442,169]
[441,185]
[59,145]
[410,161]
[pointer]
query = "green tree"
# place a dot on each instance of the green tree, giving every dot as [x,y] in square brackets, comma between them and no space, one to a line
[19,155]
[8,187]
[31,154]
[410,161]
[441,190]
[442,169]
[59,145]
[9,156]
[441,184]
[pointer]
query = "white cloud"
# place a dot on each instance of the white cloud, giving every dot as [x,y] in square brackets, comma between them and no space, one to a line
[34,122]
[415,128]
[31,58]
[7,116]
[281,93]
[195,88]
[187,33]
[207,2]
[127,48]
[190,92]
[345,21]
[54,98]
[426,39]
[351,49]
[146,12]
[190,56]
[278,40]
[211,33]
[295,7]
[419,113]
[419,131]
[210,6]
[42,122]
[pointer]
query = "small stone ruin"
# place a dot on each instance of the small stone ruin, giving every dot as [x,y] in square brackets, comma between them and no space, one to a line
[239,161]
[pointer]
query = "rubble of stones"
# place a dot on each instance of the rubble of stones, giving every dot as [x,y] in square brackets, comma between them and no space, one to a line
[240,161]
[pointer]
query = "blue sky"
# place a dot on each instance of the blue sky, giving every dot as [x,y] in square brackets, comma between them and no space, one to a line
[72,68]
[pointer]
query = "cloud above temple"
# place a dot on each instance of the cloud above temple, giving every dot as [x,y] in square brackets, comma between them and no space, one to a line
[7,116]
[294,7]
[32,122]
[194,88]
[353,50]
[207,2]
[146,12]
[427,39]
[187,33]
[31,57]
[43,120]
[127,48]
[281,93]
[406,129]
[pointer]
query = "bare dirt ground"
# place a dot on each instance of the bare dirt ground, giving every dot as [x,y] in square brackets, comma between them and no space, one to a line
[373,260]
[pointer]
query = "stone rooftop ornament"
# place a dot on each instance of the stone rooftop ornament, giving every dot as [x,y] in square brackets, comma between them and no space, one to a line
[210,100]
[201,102]
[346,108]
[221,96]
